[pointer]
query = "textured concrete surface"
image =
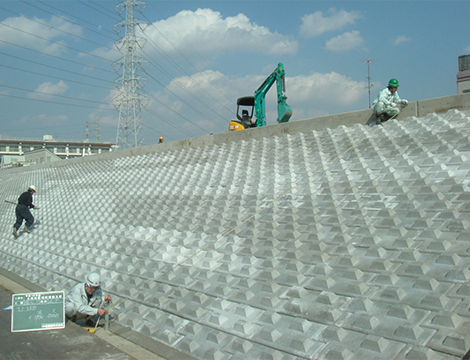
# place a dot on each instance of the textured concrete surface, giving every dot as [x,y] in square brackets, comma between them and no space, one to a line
[118,342]
[345,243]
[72,342]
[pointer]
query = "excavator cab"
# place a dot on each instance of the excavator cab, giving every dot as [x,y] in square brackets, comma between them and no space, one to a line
[245,106]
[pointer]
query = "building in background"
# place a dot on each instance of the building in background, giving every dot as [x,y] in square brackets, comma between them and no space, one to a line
[11,161]
[463,77]
[40,156]
[16,153]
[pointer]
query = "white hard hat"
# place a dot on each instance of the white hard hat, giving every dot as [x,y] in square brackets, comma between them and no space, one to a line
[32,187]
[93,280]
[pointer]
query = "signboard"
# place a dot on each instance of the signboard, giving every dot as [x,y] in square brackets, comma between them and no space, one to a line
[38,311]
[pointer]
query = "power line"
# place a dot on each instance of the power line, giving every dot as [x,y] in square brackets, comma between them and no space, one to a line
[54,28]
[57,68]
[71,15]
[54,95]
[53,67]
[187,60]
[58,43]
[185,89]
[50,55]
[95,7]
[182,100]
[191,64]
[107,12]
[55,77]
[175,112]
[168,122]
[55,102]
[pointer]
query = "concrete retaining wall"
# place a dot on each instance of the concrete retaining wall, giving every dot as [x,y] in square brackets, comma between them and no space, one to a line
[417,108]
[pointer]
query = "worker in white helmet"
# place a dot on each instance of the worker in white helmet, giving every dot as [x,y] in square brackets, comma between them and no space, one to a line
[25,202]
[85,300]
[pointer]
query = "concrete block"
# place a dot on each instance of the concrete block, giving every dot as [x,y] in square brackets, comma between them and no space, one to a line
[369,230]
[375,344]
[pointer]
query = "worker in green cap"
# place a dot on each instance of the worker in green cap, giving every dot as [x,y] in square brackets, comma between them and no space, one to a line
[386,104]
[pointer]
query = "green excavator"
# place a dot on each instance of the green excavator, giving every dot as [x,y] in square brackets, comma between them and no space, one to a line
[249,106]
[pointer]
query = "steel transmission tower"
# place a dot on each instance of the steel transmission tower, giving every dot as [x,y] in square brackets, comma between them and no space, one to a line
[97,129]
[130,101]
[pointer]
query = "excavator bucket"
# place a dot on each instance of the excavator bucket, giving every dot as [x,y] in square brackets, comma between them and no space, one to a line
[284,111]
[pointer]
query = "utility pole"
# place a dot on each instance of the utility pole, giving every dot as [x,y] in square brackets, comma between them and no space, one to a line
[130,101]
[369,84]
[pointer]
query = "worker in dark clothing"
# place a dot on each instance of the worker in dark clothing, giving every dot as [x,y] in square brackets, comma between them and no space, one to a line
[25,202]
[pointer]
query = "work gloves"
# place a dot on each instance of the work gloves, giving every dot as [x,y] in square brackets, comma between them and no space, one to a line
[403,102]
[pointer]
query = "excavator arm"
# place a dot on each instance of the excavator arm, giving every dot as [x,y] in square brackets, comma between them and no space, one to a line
[284,111]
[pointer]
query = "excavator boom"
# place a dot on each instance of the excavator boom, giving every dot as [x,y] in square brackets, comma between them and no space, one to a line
[284,111]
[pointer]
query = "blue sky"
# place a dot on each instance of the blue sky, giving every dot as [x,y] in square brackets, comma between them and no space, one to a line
[56,59]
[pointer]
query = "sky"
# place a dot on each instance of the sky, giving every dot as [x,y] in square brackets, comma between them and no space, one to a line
[59,61]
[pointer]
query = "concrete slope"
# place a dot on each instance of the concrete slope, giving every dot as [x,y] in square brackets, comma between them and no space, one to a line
[346,243]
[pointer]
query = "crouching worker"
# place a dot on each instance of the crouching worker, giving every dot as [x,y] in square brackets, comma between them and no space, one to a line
[85,300]
[387,100]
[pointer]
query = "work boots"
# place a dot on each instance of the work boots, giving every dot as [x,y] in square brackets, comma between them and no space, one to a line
[381,118]
[26,229]
[15,232]
[90,322]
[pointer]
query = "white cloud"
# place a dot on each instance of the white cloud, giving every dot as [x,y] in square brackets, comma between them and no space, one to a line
[324,90]
[401,39]
[47,90]
[345,42]
[45,120]
[316,23]
[208,33]
[37,34]
[204,35]
[109,53]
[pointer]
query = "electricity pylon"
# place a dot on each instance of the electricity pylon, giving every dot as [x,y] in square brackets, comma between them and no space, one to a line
[130,101]
[97,129]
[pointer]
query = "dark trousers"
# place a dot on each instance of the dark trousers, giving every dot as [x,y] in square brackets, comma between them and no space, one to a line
[23,212]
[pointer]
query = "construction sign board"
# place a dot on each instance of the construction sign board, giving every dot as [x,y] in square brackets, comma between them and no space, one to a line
[38,311]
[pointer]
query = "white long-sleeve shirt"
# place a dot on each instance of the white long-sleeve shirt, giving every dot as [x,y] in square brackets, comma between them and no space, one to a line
[386,97]
[79,297]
